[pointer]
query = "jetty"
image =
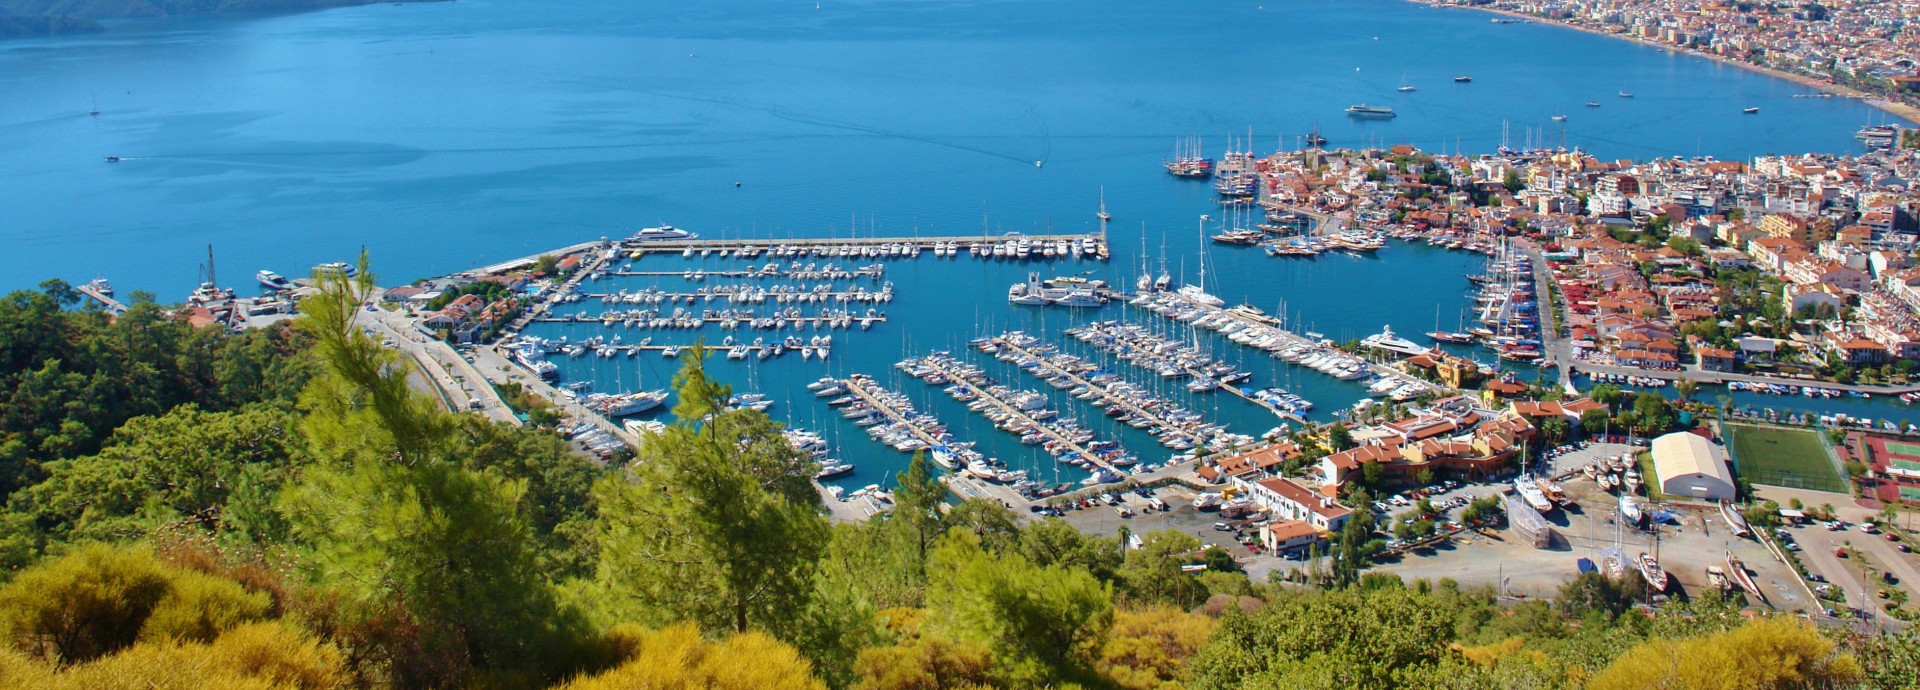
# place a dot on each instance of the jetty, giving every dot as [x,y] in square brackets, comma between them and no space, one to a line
[1093,246]
[1021,345]
[113,306]
[920,426]
[947,371]
[794,271]
[1243,319]
[1090,333]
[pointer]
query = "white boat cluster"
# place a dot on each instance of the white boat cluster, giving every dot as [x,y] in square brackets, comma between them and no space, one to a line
[1024,413]
[1019,248]
[1245,331]
[1057,292]
[742,293]
[1397,388]
[1128,403]
[730,319]
[816,450]
[597,440]
[794,270]
[890,417]
[817,346]
[1170,359]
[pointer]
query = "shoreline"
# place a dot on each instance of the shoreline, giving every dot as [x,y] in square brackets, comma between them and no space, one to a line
[1903,111]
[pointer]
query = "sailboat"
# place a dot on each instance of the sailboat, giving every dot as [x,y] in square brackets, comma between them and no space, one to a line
[1404,86]
[1103,215]
[1198,293]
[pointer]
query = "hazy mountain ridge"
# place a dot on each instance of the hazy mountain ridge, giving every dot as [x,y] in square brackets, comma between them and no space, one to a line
[47,17]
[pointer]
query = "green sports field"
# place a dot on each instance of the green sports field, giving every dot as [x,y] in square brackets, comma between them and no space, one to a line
[1785,457]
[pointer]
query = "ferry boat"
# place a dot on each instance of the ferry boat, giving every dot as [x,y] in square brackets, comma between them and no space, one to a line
[1386,340]
[664,232]
[1364,110]
[1240,237]
[340,267]
[1650,569]
[272,281]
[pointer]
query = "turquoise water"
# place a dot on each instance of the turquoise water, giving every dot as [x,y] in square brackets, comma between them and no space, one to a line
[443,136]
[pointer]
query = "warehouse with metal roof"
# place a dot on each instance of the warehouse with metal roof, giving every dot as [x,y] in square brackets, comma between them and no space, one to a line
[1688,466]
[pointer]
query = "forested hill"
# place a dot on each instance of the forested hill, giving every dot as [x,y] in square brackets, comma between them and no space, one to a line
[43,17]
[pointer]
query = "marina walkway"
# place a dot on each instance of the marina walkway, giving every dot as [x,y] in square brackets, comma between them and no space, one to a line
[1231,389]
[862,387]
[641,247]
[113,306]
[1274,326]
[1132,408]
[958,378]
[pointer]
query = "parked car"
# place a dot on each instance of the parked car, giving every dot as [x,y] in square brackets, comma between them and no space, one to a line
[1840,551]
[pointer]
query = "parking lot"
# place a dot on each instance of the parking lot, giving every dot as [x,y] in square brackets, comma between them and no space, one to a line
[1179,515]
[1691,541]
[1872,562]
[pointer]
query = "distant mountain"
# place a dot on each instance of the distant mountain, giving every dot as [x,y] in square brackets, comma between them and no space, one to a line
[45,17]
[41,25]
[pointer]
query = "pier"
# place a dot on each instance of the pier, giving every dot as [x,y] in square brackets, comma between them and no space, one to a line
[113,306]
[1196,432]
[1272,326]
[866,247]
[831,272]
[1196,372]
[959,377]
[686,322]
[862,386]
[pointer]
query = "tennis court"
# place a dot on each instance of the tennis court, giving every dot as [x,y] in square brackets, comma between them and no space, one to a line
[1785,457]
[1911,450]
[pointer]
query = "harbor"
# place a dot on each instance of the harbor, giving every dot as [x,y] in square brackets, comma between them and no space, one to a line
[1129,403]
[1008,246]
[1024,414]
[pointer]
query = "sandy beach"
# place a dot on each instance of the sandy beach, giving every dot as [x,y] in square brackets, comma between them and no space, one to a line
[1909,113]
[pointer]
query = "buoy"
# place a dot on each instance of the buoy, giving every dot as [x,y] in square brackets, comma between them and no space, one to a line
[736,184]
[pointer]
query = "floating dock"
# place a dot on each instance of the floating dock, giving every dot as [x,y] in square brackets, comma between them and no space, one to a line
[941,365]
[1197,433]
[112,305]
[1230,388]
[1094,245]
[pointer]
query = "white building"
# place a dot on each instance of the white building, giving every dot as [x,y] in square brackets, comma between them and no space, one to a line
[1688,466]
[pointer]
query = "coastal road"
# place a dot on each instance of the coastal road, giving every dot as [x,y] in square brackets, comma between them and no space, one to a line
[451,373]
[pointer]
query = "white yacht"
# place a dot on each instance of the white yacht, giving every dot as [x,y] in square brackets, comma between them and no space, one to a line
[663,232]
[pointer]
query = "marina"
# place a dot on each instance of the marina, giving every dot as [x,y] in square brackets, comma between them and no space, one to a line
[1168,359]
[1008,246]
[1024,414]
[1175,427]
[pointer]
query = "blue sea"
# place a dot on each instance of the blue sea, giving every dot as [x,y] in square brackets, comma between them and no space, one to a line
[443,136]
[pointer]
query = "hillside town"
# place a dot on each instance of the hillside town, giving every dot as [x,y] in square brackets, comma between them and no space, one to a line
[1792,266]
[1848,48]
